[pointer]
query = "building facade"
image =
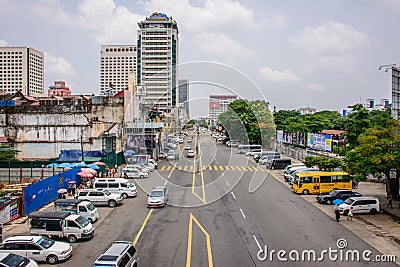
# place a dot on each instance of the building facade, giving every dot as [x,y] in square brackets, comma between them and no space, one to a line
[59,89]
[116,63]
[183,92]
[21,69]
[157,58]
[307,110]
[218,105]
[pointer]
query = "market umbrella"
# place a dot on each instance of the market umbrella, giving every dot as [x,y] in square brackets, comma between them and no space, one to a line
[52,165]
[337,201]
[85,174]
[99,163]
[89,170]
[62,191]
[64,165]
[93,166]
[78,164]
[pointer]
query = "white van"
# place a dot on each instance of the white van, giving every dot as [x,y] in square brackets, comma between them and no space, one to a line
[360,205]
[117,186]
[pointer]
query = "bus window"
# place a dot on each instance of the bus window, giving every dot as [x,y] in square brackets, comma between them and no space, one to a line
[326,179]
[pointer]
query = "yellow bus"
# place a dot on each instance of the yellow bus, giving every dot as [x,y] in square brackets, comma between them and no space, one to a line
[320,182]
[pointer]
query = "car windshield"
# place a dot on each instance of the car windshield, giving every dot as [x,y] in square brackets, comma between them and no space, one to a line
[90,206]
[129,184]
[332,193]
[156,194]
[45,242]
[82,221]
[349,201]
[103,265]
[13,260]
[106,193]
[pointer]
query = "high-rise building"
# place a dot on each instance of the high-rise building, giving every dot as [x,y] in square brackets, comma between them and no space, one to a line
[219,104]
[116,63]
[183,92]
[157,58]
[21,68]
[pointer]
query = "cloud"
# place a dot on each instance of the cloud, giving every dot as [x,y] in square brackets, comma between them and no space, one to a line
[315,87]
[57,66]
[332,45]
[107,22]
[3,43]
[211,15]
[220,46]
[271,75]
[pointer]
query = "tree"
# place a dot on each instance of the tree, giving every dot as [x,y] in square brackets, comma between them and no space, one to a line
[377,153]
[323,163]
[7,153]
[281,115]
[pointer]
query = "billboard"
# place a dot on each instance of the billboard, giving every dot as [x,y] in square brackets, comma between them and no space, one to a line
[320,142]
[214,104]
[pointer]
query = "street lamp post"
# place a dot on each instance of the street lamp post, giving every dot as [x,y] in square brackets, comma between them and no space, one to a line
[83,156]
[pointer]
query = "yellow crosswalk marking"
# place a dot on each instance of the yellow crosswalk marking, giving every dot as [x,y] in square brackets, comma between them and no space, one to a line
[210,168]
[233,168]
[244,168]
[227,168]
[238,168]
[162,168]
[191,167]
[215,167]
[168,168]
[221,168]
[185,168]
[179,168]
[261,169]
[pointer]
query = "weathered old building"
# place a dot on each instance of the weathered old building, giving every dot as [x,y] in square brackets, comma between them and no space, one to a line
[41,129]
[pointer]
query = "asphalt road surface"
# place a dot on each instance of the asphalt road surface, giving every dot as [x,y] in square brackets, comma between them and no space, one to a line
[223,210]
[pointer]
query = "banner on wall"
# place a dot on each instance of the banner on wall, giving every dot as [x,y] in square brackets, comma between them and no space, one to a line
[320,142]
[301,140]
[279,136]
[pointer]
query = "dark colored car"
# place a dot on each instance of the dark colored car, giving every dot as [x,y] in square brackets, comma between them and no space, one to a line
[336,194]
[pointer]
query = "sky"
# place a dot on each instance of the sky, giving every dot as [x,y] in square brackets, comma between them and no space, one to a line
[321,54]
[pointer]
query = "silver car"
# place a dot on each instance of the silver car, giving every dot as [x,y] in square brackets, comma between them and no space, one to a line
[158,197]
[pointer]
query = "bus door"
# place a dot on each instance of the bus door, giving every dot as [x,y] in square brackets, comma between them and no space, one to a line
[316,186]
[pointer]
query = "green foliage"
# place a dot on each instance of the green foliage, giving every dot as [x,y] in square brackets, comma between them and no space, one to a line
[248,121]
[322,163]
[7,153]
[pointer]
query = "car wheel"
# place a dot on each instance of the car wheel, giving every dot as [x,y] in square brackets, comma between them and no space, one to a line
[141,176]
[305,192]
[328,202]
[112,203]
[72,238]
[52,259]
[373,211]
[124,195]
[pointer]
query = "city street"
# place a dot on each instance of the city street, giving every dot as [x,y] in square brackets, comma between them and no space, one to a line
[213,220]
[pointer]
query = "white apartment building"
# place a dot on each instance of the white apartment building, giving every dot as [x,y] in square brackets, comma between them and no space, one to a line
[21,68]
[219,104]
[307,110]
[116,63]
[157,58]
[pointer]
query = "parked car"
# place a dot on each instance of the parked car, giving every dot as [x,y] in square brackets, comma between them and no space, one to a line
[100,197]
[13,260]
[190,154]
[116,185]
[336,194]
[278,164]
[60,224]
[133,168]
[270,154]
[38,248]
[360,205]
[158,197]
[152,161]
[119,253]
[264,159]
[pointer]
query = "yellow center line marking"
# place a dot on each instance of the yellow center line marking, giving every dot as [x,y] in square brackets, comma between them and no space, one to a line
[190,235]
[142,227]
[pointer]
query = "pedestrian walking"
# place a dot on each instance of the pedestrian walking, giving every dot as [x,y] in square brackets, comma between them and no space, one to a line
[350,214]
[337,213]
[112,173]
[390,201]
[107,171]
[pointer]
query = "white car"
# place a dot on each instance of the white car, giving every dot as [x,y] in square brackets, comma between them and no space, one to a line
[190,153]
[187,147]
[135,173]
[171,155]
[152,161]
[100,197]
[11,259]
[360,205]
[41,248]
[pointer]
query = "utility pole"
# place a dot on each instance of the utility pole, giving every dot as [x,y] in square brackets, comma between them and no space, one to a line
[83,156]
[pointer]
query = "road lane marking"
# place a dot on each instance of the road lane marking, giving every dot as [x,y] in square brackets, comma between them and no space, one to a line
[179,168]
[168,168]
[233,168]
[234,197]
[227,168]
[250,168]
[142,227]
[227,182]
[216,167]
[203,199]
[190,236]
[238,168]
[185,168]
[221,168]
[242,213]
[210,168]
[162,168]
[244,168]
[191,167]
